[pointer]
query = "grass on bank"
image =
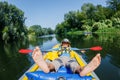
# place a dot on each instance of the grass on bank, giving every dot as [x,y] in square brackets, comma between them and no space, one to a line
[75,33]
[109,30]
[105,30]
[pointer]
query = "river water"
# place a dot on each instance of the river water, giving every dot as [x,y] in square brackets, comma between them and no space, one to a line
[13,64]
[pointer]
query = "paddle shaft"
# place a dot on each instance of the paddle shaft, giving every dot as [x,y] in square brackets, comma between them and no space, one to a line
[96,48]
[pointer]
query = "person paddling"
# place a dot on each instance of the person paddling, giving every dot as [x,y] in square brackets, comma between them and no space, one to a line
[66,58]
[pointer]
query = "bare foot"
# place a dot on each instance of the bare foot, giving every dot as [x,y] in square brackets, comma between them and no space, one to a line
[38,58]
[94,63]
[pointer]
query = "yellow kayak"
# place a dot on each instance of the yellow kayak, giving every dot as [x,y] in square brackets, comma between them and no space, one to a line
[35,73]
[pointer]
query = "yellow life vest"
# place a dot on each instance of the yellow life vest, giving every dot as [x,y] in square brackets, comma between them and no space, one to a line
[55,54]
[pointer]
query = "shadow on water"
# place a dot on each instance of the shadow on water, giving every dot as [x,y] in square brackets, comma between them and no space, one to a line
[12,63]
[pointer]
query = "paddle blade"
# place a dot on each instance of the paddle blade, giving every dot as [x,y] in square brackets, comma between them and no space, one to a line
[97,48]
[25,51]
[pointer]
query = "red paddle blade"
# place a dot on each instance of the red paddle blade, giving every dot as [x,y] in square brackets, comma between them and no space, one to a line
[25,51]
[97,48]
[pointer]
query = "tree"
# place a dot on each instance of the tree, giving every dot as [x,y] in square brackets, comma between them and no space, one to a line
[11,22]
[117,14]
[50,31]
[35,30]
[70,18]
[74,20]
[114,5]
[59,29]
[89,9]
[100,13]
[91,18]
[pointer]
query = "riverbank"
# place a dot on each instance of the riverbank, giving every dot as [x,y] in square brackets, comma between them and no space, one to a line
[109,30]
[75,33]
[105,30]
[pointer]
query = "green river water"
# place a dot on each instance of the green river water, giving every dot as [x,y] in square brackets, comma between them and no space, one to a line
[13,64]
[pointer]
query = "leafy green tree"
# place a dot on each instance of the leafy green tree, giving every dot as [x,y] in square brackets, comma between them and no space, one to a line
[116,22]
[99,14]
[107,12]
[108,22]
[50,31]
[99,25]
[35,30]
[60,29]
[91,18]
[45,31]
[114,5]
[11,22]
[89,9]
[87,28]
[70,18]
[74,19]
[117,14]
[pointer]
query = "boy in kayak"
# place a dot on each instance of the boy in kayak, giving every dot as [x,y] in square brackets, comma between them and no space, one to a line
[65,59]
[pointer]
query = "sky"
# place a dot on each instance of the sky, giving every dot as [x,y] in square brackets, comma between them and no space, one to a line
[48,13]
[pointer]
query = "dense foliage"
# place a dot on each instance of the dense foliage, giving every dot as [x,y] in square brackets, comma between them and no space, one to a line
[91,18]
[37,30]
[11,22]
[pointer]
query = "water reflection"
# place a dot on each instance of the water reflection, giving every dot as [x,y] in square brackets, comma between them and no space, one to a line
[14,64]
[110,43]
[39,41]
[110,65]
[9,59]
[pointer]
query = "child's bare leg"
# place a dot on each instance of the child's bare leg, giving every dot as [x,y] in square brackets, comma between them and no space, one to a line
[38,58]
[94,63]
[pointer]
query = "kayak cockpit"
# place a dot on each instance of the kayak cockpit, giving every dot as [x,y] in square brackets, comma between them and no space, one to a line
[62,74]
